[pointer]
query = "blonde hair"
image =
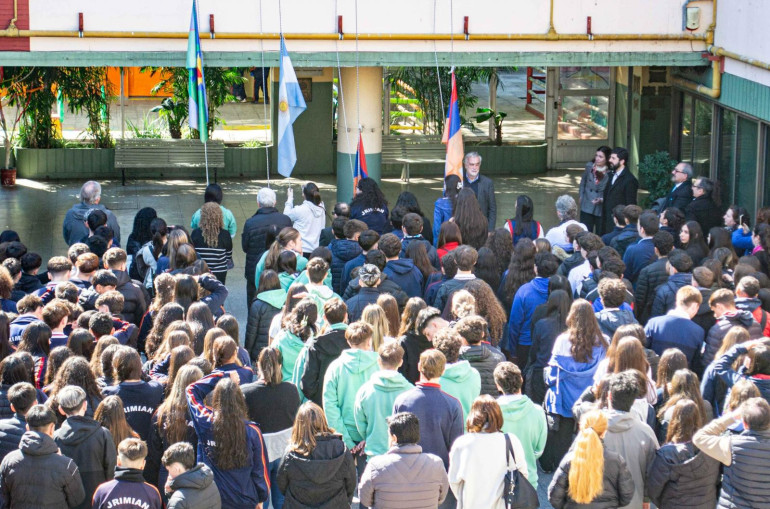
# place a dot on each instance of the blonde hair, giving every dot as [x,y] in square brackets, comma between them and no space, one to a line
[309,423]
[211,223]
[463,304]
[374,315]
[586,474]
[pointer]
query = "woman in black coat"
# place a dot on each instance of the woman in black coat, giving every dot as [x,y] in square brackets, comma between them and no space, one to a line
[268,303]
[705,208]
[681,475]
[317,469]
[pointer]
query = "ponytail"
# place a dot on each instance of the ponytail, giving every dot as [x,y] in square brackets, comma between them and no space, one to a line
[285,236]
[586,475]
[312,193]
[159,229]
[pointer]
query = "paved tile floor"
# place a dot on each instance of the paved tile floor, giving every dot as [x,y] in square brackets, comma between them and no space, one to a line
[36,209]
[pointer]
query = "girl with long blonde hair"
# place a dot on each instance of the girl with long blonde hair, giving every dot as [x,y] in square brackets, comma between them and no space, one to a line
[375,316]
[589,473]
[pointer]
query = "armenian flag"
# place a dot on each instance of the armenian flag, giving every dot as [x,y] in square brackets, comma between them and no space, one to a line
[453,137]
[359,170]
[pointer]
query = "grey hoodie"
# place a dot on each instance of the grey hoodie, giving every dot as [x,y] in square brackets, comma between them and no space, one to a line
[636,443]
[194,489]
[309,219]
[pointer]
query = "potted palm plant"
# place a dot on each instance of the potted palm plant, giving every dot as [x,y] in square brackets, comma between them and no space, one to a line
[13,105]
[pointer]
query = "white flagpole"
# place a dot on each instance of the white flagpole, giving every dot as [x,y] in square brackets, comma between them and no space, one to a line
[206,158]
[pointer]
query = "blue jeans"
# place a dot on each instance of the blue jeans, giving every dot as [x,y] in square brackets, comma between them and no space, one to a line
[276,497]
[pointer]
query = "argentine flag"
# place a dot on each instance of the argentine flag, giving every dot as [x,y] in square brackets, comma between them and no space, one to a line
[290,105]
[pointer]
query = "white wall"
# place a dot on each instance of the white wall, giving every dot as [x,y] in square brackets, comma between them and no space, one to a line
[391,16]
[742,28]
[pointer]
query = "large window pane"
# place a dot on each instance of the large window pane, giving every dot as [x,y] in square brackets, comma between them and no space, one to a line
[580,78]
[746,164]
[685,141]
[583,117]
[725,169]
[766,194]
[701,159]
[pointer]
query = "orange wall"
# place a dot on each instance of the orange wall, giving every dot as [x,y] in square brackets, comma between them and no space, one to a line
[137,84]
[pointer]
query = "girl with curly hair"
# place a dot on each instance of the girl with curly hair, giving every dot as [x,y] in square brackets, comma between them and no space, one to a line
[212,242]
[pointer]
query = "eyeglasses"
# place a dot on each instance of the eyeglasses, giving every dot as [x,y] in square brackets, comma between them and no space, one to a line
[678,171]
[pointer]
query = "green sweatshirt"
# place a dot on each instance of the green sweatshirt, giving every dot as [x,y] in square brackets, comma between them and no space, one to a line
[286,280]
[527,421]
[345,375]
[374,404]
[463,382]
[303,279]
[289,345]
[301,264]
[299,370]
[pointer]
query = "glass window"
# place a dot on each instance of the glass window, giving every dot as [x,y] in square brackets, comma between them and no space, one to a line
[685,141]
[746,164]
[727,155]
[701,138]
[580,78]
[583,117]
[766,194]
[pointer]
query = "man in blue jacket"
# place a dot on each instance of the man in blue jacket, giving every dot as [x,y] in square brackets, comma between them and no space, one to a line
[527,298]
[641,254]
[401,271]
[344,247]
[680,274]
[676,329]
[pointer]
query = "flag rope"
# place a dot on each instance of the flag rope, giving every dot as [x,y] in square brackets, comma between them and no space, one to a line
[264,103]
[358,83]
[205,143]
[435,54]
[206,158]
[341,97]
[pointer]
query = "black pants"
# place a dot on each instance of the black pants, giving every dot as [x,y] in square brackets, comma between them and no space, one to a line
[592,222]
[522,355]
[251,292]
[561,431]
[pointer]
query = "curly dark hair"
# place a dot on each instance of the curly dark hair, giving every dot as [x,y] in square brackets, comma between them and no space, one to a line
[76,371]
[501,244]
[370,195]
[228,427]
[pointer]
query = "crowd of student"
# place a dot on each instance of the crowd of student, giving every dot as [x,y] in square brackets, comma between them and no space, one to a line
[403,365]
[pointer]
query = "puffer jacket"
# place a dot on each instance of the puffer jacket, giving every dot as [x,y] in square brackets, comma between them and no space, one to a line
[194,489]
[91,448]
[74,230]
[343,250]
[650,278]
[254,236]
[665,295]
[718,332]
[404,477]
[617,482]
[484,358]
[321,351]
[746,483]
[627,236]
[682,476]
[324,479]
[38,458]
[11,431]
[610,319]
[135,297]
[357,303]
[405,274]
[413,344]
[261,314]
[309,219]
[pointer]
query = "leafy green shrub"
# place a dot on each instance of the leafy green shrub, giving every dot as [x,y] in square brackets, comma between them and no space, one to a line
[655,175]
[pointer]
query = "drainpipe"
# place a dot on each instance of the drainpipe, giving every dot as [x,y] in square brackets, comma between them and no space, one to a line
[12,25]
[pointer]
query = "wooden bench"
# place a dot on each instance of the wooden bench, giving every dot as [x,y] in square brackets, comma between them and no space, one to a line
[162,154]
[411,150]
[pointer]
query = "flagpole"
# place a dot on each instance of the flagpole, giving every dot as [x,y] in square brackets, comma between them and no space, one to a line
[206,158]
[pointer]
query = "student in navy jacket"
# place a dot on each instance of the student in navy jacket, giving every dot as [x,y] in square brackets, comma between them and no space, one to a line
[403,272]
[641,254]
[344,247]
[231,446]
[527,298]
[30,310]
[676,328]
[370,206]
[367,241]
[226,360]
[128,489]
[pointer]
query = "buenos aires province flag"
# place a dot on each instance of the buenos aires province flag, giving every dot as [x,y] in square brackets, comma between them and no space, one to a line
[290,105]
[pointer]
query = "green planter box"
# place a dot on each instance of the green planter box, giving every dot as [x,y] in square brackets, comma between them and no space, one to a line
[246,162]
[66,163]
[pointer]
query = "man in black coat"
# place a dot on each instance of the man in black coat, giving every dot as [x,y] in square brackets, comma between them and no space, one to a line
[21,396]
[681,195]
[621,188]
[482,186]
[652,276]
[85,441]
[324,349]
[704,208]
[254,236]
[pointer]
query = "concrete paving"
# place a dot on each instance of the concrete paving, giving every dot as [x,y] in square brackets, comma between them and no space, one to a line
[36,209]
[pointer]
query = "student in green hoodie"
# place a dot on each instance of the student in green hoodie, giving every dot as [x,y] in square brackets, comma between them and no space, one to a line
[300,327]
[287,268]
[460,379]
[374,400]
[521,416]
[324,254]
[345,376]
[317,270]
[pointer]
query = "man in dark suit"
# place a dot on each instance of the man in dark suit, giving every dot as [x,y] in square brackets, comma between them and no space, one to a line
[681,195]
[482,186]
[621,188]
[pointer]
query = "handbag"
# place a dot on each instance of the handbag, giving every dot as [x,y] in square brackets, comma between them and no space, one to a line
[518,493]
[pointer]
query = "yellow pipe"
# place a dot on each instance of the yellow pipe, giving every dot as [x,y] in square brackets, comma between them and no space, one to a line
[364,37]
[715,50]
[716,82]
[713,26]
[551,29]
